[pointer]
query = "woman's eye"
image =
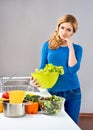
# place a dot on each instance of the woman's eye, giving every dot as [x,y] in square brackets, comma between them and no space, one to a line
[62,27]
[69,29]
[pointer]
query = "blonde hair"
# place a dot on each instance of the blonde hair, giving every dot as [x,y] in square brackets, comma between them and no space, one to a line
[55,40]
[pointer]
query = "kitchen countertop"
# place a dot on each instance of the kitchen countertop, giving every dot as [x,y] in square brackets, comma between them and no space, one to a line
[60,121]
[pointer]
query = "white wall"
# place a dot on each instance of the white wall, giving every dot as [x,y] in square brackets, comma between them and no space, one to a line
[26,24]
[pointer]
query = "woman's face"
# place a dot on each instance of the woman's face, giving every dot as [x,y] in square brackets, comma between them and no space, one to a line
[65,30]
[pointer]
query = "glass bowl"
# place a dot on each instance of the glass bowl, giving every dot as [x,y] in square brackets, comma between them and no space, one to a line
[51,106]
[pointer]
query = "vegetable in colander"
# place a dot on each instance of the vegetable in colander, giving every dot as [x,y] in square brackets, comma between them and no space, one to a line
[48,76]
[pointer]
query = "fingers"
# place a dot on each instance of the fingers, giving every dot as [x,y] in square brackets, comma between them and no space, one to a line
[34,82]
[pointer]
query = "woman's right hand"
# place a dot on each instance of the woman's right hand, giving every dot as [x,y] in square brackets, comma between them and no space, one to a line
[34,82]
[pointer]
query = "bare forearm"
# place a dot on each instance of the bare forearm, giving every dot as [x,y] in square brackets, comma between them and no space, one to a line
[72,58]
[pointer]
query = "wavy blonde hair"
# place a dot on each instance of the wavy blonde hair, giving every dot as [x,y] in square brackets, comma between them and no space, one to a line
[55,40]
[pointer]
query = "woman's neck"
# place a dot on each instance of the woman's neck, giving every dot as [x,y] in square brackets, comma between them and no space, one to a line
[63,44]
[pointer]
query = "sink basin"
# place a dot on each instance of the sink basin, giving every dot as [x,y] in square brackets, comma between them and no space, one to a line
[18,84]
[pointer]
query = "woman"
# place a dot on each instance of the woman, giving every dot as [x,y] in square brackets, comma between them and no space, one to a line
[61,51]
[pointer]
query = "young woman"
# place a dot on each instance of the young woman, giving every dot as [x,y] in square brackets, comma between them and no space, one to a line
[60,50]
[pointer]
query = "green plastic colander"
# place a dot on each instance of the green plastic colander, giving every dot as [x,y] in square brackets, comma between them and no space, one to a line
[46,80]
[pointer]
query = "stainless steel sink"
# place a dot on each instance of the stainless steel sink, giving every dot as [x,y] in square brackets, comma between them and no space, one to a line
[18,84]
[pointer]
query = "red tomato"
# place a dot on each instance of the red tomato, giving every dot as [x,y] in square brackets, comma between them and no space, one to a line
[5,95]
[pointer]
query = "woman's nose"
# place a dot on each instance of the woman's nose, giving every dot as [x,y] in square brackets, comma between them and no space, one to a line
[64,31]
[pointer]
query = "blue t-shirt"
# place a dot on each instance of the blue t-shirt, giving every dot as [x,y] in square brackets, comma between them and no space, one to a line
[59,57]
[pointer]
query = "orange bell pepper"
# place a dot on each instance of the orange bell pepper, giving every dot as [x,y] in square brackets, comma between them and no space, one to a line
[1,106]
[31,107]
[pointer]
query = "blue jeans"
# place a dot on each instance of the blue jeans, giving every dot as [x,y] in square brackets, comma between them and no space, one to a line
[72,103]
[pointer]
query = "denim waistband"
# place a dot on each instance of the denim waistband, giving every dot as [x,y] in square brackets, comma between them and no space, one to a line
[68,94]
